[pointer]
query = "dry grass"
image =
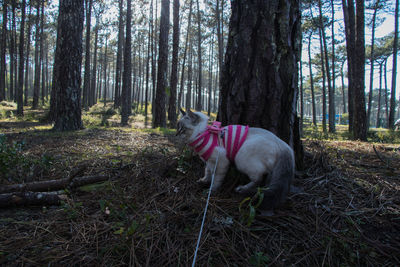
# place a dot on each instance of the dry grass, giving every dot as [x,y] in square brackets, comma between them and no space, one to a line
[149,212]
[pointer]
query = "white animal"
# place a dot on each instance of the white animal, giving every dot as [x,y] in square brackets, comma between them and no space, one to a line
[397,124]
[262,153]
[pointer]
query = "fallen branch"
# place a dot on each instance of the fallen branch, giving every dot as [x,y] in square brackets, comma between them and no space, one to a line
[53,185]
[380,157]
[30,198]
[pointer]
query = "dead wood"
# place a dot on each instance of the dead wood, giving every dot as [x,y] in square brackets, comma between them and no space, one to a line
[30,198]
[53,185]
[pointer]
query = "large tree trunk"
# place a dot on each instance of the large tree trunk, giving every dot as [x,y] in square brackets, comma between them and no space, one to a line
[160,99]
[86,78]
[20,88]
[360,116]
[127,77]
[392,109]
[172,115]
[260,79]
[68,62]
[3,54]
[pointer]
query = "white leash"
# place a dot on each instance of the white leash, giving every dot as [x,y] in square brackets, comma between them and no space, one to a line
[205,212]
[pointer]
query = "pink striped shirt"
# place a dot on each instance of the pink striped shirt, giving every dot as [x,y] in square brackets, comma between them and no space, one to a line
[230,137]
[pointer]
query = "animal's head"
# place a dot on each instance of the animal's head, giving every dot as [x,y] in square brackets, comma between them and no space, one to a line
[191,124]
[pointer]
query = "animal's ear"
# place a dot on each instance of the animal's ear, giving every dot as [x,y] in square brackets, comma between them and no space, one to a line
[193,116]
[182,111]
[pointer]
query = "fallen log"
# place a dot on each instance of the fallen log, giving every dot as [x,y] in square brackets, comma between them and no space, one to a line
[53,185]
[30,198]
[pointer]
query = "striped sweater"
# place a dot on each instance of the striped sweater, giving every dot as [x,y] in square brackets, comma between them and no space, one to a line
[230,137]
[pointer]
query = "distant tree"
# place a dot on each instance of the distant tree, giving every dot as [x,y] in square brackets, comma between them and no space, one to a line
[86,78]
[174,68]
[36,85]
[20,88]
[260,76]
[127,75]
[160,99]
[392,110]
[118,67]
[3,53]
[12,51]
[68,62]
[28,48]
[200,73]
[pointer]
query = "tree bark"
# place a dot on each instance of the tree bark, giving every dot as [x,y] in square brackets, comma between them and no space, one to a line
[260,78]
[360,118]
[314,113]
[323,81]
[13,62]
[392,109]
[20,88]
[127,75]
[69,61]
[3,54]
[86,78]
[118,69]
[28,48]
[92,95]
[199,85]
[36,85]
[378,115]
[160,99]
[172,112]
[41,56]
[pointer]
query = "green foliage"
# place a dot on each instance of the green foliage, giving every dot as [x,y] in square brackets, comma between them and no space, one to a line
[248,212]
[14,165]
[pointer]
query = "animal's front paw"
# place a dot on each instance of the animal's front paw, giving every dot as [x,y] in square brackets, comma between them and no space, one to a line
[203,181]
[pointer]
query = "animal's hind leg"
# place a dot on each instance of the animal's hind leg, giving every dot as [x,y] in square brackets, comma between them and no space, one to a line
[250,188]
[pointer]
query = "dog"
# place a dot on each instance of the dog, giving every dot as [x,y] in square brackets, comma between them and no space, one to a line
[256,152]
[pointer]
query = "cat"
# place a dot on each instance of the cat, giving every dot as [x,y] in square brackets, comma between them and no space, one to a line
[261,153]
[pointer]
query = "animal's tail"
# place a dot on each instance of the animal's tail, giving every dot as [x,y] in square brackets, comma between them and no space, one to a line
[280,179]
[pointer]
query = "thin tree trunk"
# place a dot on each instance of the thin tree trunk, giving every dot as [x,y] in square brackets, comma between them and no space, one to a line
[3,54]
[188,103]
[331,95]
[301,98]
[105,62]
[12,53]
[27,67]
[42,51]
[323,82]
[199,92]
[392,109]
[36,86]
[20,88]
[378,115]
[371,60]
[86,78]
[127,74]
[210,69]
[92,98]
[314,112]
[343,93]
[180,98]
[332,105]
[118,70]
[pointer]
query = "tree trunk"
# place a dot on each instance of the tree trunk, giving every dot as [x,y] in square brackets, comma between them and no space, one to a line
[184,56]
[371,60]
[331,94]
[199,92]
[323,81]
[68,60]
[260,78]
[188,103]
[43,85]
[118,71]
[343,94]
[36,85]
[378,115]
[301,98]
[349,20]
[314,113]
[92,95]
[20,88]
[160,99]
[13,62]
[332,105]
[172,114]
[360,120]
[105,62]
[28,48]
[220,39]
[149,42]
[210,70]
[86,78]
[127,74]
[3,54]
[392,109]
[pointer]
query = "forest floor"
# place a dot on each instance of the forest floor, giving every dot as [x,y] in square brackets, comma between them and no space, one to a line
[149,211]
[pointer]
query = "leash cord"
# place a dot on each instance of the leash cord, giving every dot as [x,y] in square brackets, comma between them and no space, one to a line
[205,212]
